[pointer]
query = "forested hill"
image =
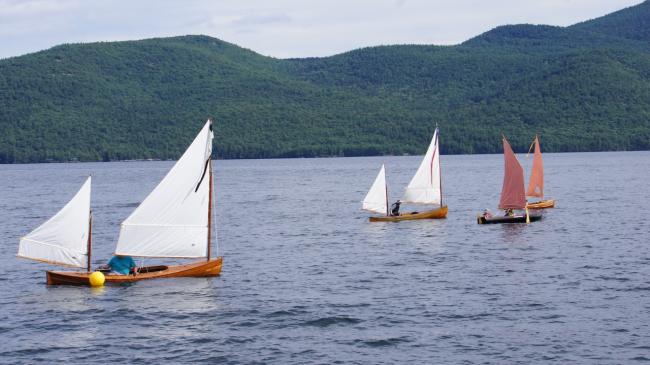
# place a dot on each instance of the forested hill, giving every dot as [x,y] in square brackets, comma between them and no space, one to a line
[584,87]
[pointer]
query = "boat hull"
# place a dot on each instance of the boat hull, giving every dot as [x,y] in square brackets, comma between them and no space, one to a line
[544,204]
[194,269]
[437,213]
[508,219]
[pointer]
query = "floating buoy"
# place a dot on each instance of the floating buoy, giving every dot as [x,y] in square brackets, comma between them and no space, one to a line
[96,279]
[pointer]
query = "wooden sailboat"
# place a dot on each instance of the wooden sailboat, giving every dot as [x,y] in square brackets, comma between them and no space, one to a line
[174,221]
[536,182]
[425,188]
[513,196]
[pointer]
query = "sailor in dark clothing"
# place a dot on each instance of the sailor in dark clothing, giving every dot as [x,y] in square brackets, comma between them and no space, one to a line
[394,209]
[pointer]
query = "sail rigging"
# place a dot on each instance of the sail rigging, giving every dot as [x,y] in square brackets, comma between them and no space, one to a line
[377,200]
[536,182]
[512,192]
[173,220]
[64,238]
[425,186]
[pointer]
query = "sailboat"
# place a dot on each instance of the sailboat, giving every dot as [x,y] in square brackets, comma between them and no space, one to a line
[425,188]
[173,221]
[513,196]
[536,182]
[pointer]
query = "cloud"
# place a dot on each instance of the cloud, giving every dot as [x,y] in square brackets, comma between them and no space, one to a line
[280,28]
[30,8]
[260,20]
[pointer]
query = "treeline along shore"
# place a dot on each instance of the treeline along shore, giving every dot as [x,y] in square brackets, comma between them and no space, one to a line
[585,87]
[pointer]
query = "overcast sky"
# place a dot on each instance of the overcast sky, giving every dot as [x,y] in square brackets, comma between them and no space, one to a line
[280,28]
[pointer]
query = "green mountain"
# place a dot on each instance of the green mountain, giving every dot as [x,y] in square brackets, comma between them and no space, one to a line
[582,88]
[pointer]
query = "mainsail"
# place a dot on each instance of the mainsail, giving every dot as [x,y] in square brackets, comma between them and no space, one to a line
[173,220]
[63,239]
[512,193]
[376,199]
[536,183]
[425,187]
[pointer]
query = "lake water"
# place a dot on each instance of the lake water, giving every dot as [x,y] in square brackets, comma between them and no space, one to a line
[307,279]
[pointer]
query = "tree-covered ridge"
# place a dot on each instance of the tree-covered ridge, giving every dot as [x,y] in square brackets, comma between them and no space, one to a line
[583,88]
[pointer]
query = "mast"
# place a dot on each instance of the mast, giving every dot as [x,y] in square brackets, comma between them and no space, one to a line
[387,207]
[90,235]
[210,208]
[439,168]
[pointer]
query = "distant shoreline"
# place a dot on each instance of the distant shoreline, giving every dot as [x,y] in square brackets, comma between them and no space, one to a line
[288,158]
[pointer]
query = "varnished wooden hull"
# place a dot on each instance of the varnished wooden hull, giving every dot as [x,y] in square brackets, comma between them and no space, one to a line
[437,213]
[194,269]
[507,219]
[544,204]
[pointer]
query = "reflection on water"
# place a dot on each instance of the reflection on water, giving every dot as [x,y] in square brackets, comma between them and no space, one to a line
[512,233]
[97,291]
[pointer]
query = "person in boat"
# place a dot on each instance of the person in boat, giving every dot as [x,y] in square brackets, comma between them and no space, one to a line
[394,209]
[122,265]
[487,213]
[510,212]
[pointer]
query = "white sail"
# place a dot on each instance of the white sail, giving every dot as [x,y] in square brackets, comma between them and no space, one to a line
[424,187]
[173,220]
[376,199]
[63,239]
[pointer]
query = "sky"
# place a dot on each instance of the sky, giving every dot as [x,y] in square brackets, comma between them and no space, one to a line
[280,28]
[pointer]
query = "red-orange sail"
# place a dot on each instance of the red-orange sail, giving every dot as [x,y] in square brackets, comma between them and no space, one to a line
[512,193]
[536,182]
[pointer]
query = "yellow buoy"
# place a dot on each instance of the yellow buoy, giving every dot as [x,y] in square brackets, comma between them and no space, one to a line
[96,279]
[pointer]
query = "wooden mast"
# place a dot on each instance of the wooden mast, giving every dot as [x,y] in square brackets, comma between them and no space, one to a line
[210,209]
[439,168]
[386,188]
[90,235]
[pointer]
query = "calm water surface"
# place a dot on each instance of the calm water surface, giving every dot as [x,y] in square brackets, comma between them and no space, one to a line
[307,279]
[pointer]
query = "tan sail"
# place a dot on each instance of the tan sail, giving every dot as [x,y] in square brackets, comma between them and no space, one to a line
[536,182]
[512,192]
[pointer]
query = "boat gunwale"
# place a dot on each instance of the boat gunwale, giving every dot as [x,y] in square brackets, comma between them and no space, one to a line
[82,278]
[542,204]
[437,213]
[500,219]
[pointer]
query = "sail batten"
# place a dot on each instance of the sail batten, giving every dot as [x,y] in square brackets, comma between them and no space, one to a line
[164,225]
[424,187]
[62,239]
[536,182]
[172,221]
[84,252]
[512,192]
[376,200]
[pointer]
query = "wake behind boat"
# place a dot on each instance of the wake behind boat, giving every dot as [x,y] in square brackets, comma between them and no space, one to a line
[174,221]
[425,188]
